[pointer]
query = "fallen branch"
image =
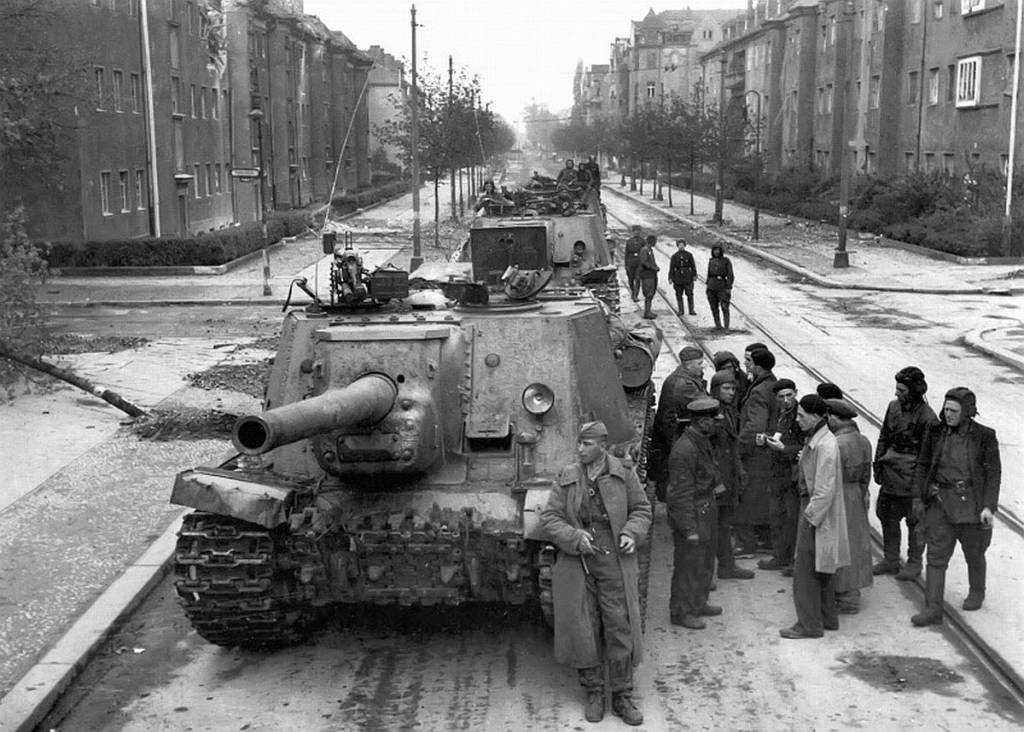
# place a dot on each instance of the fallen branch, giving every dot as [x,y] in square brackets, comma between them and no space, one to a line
[106,395]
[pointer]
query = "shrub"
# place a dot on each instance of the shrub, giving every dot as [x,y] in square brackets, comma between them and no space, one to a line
[23,272]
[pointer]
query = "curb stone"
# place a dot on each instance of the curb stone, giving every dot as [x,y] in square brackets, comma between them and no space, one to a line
[35,693]
[976,340]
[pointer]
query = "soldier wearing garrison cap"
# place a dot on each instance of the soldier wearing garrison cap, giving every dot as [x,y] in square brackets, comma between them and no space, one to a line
[906,420]
[956,486]
[694,481]
[678,389]
[596,515]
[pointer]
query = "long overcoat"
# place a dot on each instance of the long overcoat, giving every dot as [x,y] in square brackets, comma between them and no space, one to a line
[759,412]
[822,473]
[855,456]
[577,642]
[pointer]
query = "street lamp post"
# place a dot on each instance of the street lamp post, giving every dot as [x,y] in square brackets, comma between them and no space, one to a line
[757,165]
[842,257]
[256,115]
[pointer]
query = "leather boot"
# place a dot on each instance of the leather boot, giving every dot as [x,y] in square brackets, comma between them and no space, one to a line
[974,600]
[718,320]
[725,318]
[910,572]
[689,301]
[624,706]
[648,315]
[934,591]
[594,709]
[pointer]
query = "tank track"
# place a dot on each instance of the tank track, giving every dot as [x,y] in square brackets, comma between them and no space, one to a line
[231,589]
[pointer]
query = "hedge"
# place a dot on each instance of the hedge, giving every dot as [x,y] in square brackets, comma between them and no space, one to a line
[209,249]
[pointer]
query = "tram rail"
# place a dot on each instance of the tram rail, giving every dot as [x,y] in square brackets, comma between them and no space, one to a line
[1002,672]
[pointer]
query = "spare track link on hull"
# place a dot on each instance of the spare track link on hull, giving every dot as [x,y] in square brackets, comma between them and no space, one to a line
[229,586]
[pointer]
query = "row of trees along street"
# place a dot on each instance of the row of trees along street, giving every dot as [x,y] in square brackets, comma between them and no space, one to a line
[721,150]
[665,140]
[458,135]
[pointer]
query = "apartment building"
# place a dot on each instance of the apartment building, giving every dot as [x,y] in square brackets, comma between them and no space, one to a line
[913,85]
[166,131]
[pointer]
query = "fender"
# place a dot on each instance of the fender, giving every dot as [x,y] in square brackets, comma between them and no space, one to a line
[228,493]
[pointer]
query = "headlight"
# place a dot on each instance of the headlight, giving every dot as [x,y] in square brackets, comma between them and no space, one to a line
[538,399]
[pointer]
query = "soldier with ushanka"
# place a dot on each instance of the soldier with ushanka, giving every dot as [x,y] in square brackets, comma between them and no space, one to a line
[957,492]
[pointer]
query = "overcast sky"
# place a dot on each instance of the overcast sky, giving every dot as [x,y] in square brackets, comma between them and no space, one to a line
[522,50]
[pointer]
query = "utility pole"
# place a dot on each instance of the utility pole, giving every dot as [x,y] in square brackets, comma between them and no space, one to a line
[414,139]
[1008,247]
[720,181]
[842,257]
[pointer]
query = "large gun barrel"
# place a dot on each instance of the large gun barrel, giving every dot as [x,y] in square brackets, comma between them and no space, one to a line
[365,401]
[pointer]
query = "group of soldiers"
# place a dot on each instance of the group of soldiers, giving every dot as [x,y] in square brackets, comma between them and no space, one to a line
[744,454]
[642,275]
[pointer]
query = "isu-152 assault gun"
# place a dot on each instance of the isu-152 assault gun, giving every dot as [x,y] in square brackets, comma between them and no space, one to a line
[405,451]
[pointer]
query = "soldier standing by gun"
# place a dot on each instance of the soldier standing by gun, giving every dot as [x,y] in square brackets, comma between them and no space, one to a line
[632,261]
[596,515]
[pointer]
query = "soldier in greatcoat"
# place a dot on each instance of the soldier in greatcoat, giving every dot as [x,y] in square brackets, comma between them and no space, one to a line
[596,515]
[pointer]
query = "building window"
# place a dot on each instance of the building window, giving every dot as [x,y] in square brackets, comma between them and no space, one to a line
[140,189]
[1008,76]
[105,192]
[174,39]
[209,180]
[872,164]
[874,92]
[652,61]
[938,10]
[933,86]
[912,87]
[821,100]
[192,101]
[126,203]
[879,18]
[828,99]
[118,81]
[214,112]
[136,92]
[195,181]
[650,89]
[908,161]
[175,95]
[929,162]
[202,102]
[1004,164]
[832,31]
[951,83]
[915,11]
[189,7]
[968,76]
[100,75]
[948,163]
[971,6]
[217,178]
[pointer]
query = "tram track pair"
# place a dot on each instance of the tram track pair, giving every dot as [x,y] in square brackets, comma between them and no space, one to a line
[987,656]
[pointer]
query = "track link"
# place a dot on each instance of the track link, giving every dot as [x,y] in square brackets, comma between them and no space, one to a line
[230,587]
